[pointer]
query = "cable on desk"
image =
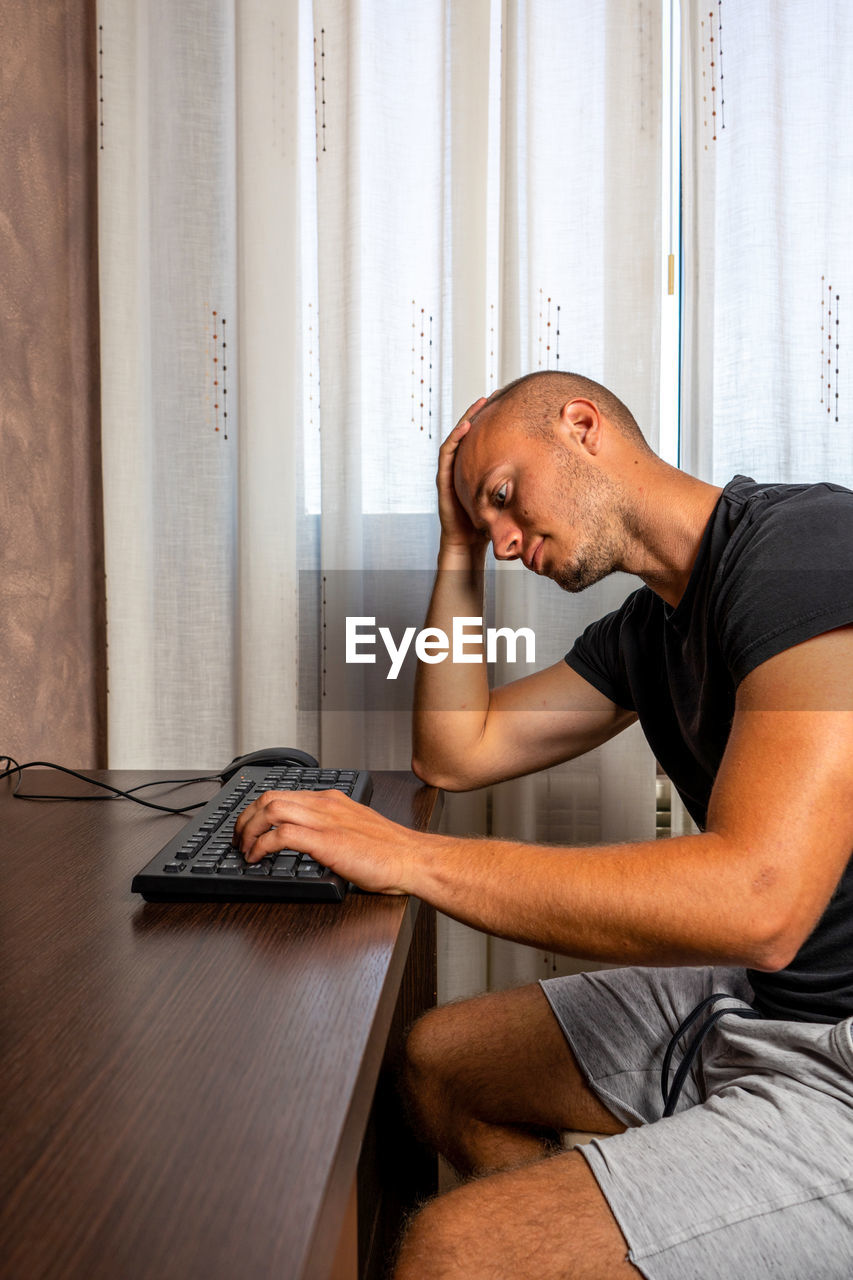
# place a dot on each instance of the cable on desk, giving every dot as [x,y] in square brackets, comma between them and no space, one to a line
[115,792]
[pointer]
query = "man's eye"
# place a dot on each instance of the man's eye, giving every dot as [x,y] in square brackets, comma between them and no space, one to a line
[500,496]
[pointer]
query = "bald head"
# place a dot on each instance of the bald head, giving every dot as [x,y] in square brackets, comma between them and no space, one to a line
[534,402]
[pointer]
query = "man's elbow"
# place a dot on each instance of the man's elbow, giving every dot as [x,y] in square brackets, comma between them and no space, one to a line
[434,776]
[771,957]
[771,908]
[423,770]
[774,942]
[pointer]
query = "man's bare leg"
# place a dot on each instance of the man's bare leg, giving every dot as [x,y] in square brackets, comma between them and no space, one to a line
[492,1083]
[546,1221]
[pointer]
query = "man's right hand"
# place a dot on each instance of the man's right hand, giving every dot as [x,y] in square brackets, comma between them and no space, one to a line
[457,531]
[465,735]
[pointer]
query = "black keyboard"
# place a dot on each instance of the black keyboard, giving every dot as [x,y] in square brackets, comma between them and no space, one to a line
[201,864]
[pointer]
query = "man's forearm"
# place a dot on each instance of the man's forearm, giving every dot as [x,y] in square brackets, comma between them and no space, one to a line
[706,899]
[687,900]
[451,698]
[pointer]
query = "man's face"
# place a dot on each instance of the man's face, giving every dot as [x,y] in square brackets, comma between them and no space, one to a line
[540,501]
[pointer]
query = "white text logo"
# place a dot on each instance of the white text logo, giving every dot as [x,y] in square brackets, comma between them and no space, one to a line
[465,643]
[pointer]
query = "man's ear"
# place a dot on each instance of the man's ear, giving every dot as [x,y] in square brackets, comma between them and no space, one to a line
[581,421]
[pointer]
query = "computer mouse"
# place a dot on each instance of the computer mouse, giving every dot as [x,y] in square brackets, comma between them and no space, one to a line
[268,756]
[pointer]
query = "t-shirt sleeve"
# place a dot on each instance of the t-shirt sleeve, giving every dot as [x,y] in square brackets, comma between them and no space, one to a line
[597,656]
[788,578]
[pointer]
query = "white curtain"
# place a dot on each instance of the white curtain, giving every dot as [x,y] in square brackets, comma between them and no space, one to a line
[325,229]
[768,268]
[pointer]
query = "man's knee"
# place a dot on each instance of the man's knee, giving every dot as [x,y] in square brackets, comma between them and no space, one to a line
[426,1073]
[432,1244]
[430,1040]
[541,1222]
[461,1059]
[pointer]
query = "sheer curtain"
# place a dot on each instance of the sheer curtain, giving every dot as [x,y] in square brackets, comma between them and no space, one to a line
[768,188]
[324,230]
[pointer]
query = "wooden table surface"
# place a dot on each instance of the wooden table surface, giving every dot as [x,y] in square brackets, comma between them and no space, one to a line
[185,1087]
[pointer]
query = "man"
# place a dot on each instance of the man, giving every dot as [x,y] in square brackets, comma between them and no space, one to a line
[737,657]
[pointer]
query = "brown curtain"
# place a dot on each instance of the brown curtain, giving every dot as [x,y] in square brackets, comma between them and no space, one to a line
[53,699]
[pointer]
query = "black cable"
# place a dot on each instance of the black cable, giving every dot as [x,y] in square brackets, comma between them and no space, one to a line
[672,1092]
[115,792]
[683,1027]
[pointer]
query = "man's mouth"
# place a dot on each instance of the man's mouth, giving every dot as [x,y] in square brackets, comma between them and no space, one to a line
[535,561]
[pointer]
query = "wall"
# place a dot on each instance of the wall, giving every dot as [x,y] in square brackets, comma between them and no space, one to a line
[52,629]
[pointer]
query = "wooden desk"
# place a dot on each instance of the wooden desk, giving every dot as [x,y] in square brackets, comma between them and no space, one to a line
[188,1090]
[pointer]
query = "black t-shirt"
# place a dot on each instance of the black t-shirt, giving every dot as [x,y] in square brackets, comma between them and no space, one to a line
[775,567]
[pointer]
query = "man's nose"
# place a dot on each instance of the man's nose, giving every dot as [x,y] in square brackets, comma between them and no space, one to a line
[506,540]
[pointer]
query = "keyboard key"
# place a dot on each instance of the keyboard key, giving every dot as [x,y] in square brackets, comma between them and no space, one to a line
[286,862]
[173,867]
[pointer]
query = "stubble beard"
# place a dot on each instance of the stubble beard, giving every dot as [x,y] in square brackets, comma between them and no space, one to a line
[583,573]
[603,551]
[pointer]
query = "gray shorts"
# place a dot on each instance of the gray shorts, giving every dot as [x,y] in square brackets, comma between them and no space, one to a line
[753,1174]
